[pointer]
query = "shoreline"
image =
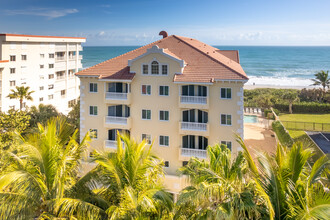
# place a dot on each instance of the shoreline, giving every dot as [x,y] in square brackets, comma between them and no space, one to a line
[264,86]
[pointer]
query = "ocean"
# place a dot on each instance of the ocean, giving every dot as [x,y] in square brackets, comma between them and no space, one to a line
[265,65]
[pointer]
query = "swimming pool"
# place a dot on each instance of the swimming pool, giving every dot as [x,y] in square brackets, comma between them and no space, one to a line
[250,119]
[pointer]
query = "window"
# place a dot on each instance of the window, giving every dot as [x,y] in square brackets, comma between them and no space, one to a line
[225,93]
[63,93]
[93,133]
[92,110]
[227,143]
[163,90]
[163,140]
[60,75]
[12,70]
[12,83]
[92,87]
[42,66]
[167,164]
[42,55]
[50,97]
[163,115]
[41,99]
[164,69]
[146,114]
[12,58]
[146,137]
[41,88]
[24,57]
[41,77]
[51,55]
[225,119]
[145,69]
[154,67]
[184,163]
[51,66]
[51,76]
[71,103]
[51,86]
[146,89]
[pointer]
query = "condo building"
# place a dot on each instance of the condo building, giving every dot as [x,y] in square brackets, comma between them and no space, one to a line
[47,64]
[179,93]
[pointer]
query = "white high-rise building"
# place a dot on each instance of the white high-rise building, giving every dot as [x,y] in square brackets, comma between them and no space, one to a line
[47,64]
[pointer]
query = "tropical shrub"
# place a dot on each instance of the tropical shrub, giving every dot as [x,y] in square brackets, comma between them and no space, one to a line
[305,107]
[283,136]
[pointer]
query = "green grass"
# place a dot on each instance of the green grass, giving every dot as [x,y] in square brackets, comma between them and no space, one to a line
[317,118]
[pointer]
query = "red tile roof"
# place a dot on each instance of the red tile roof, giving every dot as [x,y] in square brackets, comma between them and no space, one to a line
[203,62]
[4,61]
[23,35]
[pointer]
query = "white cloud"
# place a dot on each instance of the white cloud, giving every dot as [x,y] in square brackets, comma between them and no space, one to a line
[44,12]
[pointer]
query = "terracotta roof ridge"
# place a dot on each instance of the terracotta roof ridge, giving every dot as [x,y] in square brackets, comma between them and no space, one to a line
[179,38]
[139,48]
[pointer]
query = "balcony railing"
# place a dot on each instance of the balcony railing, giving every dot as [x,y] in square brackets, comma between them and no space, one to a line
[194,126]
[194,99]
[111,144]
[116,96]
[116,120]
[60,58]
[190,152]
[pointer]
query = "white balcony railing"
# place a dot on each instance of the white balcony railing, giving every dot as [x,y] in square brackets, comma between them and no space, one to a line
[194,126]
[189,152]
[60,58]
[116,95]
[116,120]
[111,144]
[194,99]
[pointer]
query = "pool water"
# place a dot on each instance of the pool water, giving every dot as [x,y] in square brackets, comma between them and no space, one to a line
[250,119]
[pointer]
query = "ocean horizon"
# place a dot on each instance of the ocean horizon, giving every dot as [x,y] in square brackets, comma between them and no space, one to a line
[264,65]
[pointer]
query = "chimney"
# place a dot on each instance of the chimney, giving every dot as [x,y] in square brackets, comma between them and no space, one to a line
[163,33]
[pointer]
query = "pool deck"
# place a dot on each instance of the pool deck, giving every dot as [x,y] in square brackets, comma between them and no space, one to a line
[259,138]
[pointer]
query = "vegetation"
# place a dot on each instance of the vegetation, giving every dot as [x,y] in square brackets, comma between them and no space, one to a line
[290,96]
[322,79]
[305,107]
[42,114]
[21,93]
[281,133]
[40,179]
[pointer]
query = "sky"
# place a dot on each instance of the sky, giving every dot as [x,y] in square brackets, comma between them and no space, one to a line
[138,22]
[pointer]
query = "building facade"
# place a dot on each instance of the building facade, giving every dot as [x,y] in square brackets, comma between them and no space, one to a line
[178,93]
[46,64]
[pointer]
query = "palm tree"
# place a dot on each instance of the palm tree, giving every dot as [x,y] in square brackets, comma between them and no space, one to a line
[131,180]
[40,180]
[322,78]
[21,93]
[220,188]
[291,96]
[290,188]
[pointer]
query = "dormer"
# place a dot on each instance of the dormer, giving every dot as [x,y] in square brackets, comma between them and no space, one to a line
[155,67]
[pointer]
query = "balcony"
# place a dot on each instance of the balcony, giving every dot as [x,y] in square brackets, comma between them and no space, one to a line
[57,59]
[186,153]
[110,144]
[194,128]
[60,48]
[200,102]
[117,98]
[117,122]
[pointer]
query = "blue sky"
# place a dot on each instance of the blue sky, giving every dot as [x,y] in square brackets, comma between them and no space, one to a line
[218,22]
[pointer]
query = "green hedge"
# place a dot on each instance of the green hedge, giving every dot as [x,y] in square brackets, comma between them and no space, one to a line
[282,135]
[305,107]
[267,111]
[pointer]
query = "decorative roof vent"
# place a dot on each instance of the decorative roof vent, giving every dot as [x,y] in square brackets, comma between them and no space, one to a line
[164,33]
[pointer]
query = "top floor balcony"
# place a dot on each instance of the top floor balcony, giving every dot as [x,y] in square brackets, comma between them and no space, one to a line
[194,96]
[117,93]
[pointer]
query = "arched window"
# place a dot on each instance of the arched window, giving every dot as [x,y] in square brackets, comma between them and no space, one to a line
[154,67]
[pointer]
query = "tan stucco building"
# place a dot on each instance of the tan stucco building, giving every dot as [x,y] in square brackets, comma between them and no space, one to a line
[46,64]
[178,92]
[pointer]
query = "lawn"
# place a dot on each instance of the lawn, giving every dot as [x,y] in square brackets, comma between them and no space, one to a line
[306,122]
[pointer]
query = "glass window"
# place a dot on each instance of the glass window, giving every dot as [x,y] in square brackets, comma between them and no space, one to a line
[146,89]
[41,99]
[225,119]
[227,143]
[163,90]
[164,115]
[145,69]
[226,93]
[92,87]
[24,57]
[51,86]
[63,92]
[51,55]
[42,55]
[167,164]
[50,97]
[147,137]
[12,58]
[41,88]
[12,83]
[146,114]
[51,76]
[154,67]
[50,66]
[93,133]
[92,110]
[164,140]
[42,66]
[164,69]
[12,70]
